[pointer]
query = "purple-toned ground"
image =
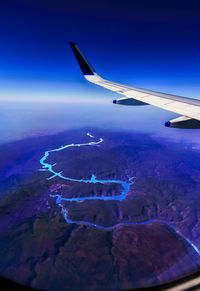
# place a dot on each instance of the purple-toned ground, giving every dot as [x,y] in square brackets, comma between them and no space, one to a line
[39,249]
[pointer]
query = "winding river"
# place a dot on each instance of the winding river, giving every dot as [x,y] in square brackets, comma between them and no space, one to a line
[125,189]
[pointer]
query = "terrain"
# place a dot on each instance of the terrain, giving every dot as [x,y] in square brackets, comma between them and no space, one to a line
[148,237]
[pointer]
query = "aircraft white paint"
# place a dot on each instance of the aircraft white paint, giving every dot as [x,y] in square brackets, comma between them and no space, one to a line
[189,108]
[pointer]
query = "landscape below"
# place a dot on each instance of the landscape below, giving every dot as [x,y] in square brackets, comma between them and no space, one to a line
[140,226]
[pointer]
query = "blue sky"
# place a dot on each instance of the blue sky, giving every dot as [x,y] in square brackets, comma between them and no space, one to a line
[150,44]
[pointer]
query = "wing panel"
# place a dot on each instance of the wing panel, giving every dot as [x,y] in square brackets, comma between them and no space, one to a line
[182,105]
[177,104]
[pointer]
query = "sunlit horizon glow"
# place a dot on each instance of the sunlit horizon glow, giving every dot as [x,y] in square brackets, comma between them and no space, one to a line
[84,92]
[53,99]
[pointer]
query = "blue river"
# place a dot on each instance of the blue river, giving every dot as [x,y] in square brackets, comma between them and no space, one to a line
[125,189]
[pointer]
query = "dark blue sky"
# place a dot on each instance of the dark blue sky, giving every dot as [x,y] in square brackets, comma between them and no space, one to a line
[150,44]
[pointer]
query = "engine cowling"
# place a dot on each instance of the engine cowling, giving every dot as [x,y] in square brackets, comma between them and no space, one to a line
[183,122]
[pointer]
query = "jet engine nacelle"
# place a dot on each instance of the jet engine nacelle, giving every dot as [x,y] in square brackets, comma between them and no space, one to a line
[183,122]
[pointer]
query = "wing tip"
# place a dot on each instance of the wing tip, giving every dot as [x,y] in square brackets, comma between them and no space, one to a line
[86,68]
[72,44]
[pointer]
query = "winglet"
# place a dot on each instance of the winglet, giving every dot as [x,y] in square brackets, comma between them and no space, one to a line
[86,68]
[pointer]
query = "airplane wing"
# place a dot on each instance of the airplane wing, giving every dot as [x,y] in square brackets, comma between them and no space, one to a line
[189,108]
